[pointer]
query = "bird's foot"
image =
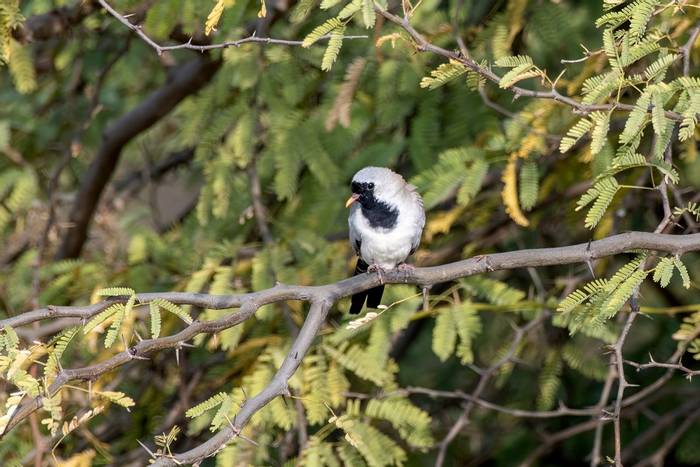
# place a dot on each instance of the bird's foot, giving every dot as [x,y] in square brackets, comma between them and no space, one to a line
[405,267]
[480,258]
[379,270]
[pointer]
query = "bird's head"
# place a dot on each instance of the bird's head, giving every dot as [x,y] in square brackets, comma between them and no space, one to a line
[373,184]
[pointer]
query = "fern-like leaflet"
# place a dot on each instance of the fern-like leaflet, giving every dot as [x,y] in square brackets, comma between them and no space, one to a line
[602,192]
[103,316]
[174,309]
[321,31]
[601,121]
[574,134]
[637,119]
[333,48]
[549,381]
[663,272]
[116,292]
[683,271]
[205,406]
[529,185]
[442,75]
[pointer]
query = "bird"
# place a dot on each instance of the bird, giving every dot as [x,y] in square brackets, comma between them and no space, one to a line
[386,222]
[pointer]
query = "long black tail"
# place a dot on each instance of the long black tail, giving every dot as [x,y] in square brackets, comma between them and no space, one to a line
[373,296]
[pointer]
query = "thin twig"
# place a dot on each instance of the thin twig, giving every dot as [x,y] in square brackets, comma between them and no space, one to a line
[484,379]
[689,373]
[685,50]
[138,29]
[622,383]
[657,459]
[422,45]
[561,411]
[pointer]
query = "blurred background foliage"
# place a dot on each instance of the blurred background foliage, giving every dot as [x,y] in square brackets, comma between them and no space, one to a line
[178,212]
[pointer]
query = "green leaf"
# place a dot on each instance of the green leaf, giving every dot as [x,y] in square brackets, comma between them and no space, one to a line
[517,74]
[326,4]
[116,292]
[213,401]
[333,48]
[468,324]
[155,319]
[10,340]
[115,328]
[657,69]
[658,115]
[321,31]
[368,14]
[663,271]
[472,182]
[602,192]
[622,293]
[529,185]
[549,381]
[683,272]
[514,61]
[444,335]
[572,301]
[174,309]
[118,398]
[641,14]
[599,134]
[442,75]
[350,9]
[576,132]
[637,119]
[103,316]
[689,122]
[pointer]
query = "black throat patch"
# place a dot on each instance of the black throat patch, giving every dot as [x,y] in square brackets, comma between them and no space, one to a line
[378,213]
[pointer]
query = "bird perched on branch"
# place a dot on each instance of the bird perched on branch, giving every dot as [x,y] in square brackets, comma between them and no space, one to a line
[386,221]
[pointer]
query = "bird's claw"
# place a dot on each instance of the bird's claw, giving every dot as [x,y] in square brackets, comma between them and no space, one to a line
[405,267]
[379,270]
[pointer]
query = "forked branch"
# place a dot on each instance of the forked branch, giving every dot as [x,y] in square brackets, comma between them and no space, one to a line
[322,299]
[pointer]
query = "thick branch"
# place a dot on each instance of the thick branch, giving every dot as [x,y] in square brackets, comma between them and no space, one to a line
[53,23]
[277,387]
[581,253]
[185,81]
[322,298]
[141,176]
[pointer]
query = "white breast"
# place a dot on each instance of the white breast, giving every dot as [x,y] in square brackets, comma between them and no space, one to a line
[388,247]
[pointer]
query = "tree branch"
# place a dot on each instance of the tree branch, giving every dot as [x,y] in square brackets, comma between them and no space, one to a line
[202,47]
[155,173]
[185,81]
[322,298]
[687,47]
[53,23]
[484,379]
[276,387]
[580,253]
[422,45]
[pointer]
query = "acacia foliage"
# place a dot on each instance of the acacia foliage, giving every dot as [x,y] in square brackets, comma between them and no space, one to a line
[496,175]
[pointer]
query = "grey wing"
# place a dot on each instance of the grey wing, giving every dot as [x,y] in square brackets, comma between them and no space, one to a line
[355,236]
[420,220]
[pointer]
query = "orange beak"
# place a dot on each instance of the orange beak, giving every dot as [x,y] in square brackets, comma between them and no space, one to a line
[352,199]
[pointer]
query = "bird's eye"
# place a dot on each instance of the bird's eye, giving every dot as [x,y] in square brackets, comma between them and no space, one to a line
[370,186]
